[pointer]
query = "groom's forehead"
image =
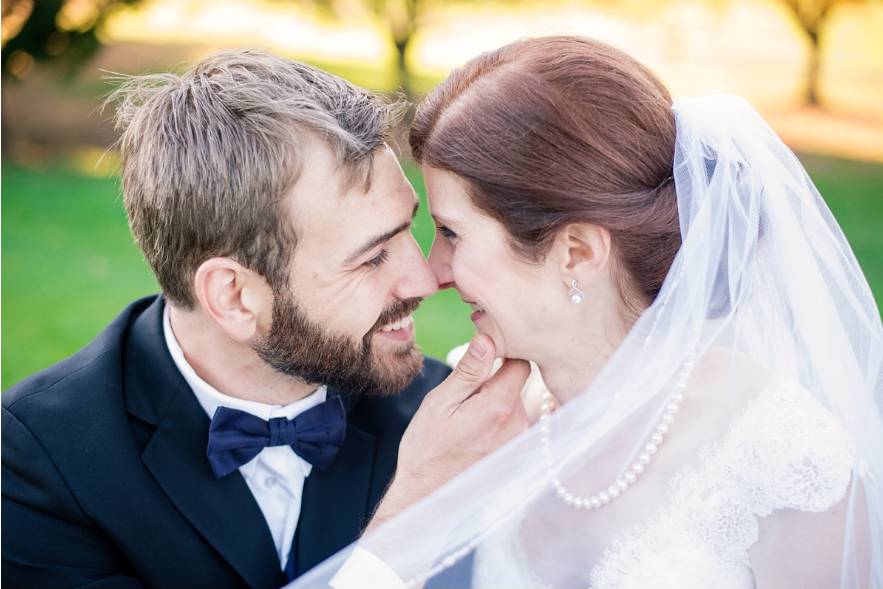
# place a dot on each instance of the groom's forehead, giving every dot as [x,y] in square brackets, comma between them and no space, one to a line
[336,218]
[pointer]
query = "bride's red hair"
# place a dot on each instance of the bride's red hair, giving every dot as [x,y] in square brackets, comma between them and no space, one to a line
[558,130]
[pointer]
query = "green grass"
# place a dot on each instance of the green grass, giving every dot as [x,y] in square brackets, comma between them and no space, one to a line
[854,193]
[69,264]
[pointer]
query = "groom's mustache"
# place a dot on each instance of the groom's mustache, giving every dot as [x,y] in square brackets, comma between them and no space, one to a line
[397,310]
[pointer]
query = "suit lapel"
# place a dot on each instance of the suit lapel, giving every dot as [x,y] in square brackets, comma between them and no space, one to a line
[223,511]
[336,502]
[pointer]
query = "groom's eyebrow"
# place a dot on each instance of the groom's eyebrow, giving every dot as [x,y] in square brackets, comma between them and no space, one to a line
[375,241]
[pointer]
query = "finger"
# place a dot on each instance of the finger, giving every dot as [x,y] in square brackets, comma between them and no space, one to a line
[502,392]
[506,384]
[515,426]
[519,420]
[500,403]
[472,369]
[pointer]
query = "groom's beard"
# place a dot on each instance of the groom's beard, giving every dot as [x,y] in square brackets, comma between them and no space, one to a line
[301,349]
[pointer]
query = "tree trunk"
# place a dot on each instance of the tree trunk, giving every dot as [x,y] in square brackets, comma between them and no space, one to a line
[6,147]
[403,73]
[812,77]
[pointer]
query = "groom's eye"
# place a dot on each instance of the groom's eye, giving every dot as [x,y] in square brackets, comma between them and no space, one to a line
[377,260]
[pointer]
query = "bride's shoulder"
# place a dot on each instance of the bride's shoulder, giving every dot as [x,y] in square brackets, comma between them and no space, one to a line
[731,387]
[770,406]
[779,434]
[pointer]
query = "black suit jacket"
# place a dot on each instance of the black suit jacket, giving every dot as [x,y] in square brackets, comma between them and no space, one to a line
[106,481]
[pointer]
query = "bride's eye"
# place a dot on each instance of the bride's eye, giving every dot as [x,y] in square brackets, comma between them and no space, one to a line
[377,260]
[446,233]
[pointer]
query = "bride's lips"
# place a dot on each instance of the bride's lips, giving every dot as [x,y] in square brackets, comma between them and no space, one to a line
[477,313]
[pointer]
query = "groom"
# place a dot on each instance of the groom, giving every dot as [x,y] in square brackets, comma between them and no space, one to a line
[243,426]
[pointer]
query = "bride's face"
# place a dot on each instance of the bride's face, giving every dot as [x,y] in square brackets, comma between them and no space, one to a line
[510,297]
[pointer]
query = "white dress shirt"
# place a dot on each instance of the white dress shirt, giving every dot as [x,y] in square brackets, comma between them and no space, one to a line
[275,476]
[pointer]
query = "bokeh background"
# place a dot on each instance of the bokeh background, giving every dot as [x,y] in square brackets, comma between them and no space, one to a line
[813,68]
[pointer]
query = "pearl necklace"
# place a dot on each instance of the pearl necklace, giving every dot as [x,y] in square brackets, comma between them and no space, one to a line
[637,468]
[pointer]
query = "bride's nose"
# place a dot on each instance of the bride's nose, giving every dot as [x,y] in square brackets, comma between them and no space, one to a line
[417,280]
[440,263]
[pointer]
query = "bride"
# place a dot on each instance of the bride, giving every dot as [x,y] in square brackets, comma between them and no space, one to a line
[711,349]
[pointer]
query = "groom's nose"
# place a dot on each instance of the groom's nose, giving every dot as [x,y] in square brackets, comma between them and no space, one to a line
[417,279]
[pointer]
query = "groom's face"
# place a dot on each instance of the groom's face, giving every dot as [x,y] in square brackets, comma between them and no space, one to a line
[356,276]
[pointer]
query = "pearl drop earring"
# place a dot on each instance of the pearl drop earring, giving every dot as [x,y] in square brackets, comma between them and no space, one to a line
[575,294]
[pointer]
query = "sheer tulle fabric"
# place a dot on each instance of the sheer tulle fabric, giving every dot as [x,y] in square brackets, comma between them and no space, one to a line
[770,473]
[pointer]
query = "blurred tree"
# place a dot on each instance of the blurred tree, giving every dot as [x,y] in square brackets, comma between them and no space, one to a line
[811,15]
[401,18]
[51,29]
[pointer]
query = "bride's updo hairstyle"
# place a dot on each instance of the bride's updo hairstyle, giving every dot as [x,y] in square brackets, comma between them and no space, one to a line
[558,130]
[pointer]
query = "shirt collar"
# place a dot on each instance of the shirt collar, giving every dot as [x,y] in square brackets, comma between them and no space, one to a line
[211,398]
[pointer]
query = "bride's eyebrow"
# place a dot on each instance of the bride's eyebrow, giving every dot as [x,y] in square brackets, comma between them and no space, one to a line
[440,219]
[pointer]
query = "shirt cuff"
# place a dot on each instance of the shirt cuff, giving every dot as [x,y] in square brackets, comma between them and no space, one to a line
[364,570]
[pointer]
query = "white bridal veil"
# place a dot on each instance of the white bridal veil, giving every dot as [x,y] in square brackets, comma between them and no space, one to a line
[734,439]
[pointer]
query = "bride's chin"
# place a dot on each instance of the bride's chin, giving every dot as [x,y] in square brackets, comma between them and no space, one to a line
[499,345]
[484,324]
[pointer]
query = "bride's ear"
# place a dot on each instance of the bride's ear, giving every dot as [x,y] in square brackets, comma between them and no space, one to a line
[584,252]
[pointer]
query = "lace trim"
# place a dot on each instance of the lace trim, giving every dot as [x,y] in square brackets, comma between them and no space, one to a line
[785,451]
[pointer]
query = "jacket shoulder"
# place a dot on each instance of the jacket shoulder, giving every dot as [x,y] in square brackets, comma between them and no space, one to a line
[68,383]
[400,407]
[432,374]
[88,365]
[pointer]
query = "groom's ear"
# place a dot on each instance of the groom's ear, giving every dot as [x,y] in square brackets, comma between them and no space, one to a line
[583,251]
[233,296]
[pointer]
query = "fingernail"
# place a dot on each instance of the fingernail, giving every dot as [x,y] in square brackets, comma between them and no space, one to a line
[477,348]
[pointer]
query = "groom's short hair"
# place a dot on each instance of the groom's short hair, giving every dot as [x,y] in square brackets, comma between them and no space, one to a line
[209,155]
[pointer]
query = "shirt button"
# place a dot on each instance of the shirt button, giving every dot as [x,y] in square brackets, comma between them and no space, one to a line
[270,482]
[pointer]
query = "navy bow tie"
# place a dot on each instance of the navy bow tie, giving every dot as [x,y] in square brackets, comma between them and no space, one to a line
[235,437]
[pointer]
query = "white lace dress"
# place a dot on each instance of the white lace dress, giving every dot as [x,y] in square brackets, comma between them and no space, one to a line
[785,451]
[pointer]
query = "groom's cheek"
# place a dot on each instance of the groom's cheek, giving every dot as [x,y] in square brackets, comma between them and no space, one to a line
[344,305]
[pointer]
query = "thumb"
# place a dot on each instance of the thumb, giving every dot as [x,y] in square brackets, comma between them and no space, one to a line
[475,365]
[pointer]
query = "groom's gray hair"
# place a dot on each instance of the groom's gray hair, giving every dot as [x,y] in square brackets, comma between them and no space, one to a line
[209,155]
